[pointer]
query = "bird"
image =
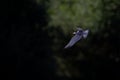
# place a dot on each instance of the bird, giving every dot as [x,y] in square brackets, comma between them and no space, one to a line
[79,34]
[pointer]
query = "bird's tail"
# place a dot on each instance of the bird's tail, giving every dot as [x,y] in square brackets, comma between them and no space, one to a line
[85,33]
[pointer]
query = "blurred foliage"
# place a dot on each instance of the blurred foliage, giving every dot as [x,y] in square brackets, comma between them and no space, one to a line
[69,14]
[34,33]
[100,17]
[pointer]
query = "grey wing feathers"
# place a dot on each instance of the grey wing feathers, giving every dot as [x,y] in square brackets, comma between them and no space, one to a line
[73,40]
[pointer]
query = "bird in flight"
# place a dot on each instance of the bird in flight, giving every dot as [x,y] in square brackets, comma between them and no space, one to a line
[80,33]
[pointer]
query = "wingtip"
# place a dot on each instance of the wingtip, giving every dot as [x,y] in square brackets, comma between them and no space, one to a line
[66,47]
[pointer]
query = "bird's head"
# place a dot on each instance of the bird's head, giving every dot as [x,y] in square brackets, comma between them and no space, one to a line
[79,31]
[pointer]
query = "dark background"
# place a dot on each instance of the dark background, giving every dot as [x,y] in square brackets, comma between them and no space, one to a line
[27,50]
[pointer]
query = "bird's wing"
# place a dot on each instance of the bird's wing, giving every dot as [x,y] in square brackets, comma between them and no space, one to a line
[85,33]
[73,40]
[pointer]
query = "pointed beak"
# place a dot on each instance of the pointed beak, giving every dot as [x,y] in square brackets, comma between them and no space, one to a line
[74,32]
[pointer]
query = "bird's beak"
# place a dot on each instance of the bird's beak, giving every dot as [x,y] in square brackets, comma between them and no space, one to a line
[74,32]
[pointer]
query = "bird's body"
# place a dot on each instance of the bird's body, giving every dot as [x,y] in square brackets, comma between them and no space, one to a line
[77,36]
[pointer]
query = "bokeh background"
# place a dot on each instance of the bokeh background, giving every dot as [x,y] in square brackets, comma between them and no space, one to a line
[33,34]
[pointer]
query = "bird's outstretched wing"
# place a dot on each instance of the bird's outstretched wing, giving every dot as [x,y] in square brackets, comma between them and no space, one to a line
[73,40]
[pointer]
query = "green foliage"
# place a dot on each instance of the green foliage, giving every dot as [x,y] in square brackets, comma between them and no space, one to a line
[33,36]
[96,15]
[68,14]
